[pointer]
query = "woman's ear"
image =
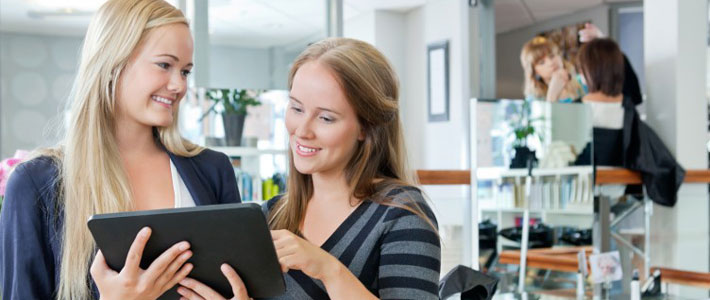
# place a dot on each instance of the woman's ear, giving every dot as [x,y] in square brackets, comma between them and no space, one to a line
[361,136]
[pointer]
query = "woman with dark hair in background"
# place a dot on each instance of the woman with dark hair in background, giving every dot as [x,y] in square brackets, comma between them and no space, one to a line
[620,137]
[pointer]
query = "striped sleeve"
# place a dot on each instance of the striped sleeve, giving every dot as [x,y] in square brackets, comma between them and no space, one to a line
[410,253]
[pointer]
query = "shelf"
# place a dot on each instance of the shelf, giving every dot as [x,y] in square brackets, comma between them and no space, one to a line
[493,173]
[248,151]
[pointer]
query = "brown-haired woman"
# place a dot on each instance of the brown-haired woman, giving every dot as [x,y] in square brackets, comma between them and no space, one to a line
[602,65]
[620,137]
[547,76]
[352,225]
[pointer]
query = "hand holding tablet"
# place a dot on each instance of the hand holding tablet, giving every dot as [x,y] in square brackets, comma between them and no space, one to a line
[235,234]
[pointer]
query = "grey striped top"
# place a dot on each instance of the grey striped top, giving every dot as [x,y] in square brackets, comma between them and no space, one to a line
[395,253]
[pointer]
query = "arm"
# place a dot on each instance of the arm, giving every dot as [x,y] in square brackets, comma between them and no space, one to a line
[26,260]
[410,255]
[340,283]
[298,254]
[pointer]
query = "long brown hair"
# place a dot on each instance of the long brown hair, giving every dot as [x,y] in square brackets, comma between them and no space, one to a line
[378,163]
[535,50]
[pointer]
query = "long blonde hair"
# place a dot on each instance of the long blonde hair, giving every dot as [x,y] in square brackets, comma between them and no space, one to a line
[378,164]
[535,50]
[91,177]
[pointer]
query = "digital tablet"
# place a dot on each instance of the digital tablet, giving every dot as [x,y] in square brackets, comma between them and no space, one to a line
[236,234]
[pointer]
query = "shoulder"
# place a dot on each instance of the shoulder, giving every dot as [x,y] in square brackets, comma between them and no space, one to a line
[403,201]
[269,204]
[40,172]
[209,156]
[35,179]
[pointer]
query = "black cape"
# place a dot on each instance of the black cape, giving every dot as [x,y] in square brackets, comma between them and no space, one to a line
[645,152]
[637,147]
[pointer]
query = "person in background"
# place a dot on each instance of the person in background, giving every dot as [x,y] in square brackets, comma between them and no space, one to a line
[631,88]
[122,152]
[620,137]
[352,225]
[547,76]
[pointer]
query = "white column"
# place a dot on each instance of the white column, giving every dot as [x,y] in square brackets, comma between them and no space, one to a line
[197,12]
[334,16]
[675,43]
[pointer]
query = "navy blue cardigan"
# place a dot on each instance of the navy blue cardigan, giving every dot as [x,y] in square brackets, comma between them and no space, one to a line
[31,220]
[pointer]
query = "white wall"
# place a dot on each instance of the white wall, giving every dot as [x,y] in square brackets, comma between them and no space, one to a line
[677,109]
[509,73]
[232,67]
[361,27]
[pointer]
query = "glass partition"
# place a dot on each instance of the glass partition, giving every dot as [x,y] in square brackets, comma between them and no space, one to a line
[532,156]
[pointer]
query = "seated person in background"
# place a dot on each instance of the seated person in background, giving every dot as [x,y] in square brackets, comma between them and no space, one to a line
[352,225]
[631,88]
[602,67]
[620,137]
[547,76]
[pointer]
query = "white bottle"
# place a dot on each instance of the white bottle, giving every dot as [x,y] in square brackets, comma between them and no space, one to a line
[635,286]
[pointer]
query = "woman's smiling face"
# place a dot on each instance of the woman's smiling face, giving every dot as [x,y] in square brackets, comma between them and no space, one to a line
[323,127]
[155,79]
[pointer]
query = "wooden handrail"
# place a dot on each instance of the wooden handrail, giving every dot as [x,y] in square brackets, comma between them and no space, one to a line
[444,177]
[606,176]
[557,259]
[689,278]
[617,176]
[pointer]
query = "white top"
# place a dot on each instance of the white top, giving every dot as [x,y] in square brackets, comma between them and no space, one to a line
[607,115]
[182,195]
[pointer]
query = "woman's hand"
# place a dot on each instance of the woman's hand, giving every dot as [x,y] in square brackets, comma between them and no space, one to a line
[557,84]
[135,283]
[589,32]
[194,290]
[298,254]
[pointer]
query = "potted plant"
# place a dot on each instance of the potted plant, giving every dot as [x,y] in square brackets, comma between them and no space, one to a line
[523,128]
[234,110]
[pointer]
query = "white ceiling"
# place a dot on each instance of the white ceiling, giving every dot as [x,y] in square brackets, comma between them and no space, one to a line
[264,23]
[513,14]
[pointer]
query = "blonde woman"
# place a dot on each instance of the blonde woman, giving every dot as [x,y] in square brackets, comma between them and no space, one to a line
[352,226]
[547,76]
[121,152]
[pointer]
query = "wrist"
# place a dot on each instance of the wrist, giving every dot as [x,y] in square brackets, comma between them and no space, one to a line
[333,269]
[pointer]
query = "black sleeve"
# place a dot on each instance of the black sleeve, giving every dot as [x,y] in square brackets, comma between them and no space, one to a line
[631,89]
[26,260]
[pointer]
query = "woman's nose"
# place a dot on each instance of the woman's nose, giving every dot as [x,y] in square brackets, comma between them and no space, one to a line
[304,130]
[177,83]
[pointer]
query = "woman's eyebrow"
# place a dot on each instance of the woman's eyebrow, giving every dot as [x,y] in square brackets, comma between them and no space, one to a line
[175,58]
[319,108]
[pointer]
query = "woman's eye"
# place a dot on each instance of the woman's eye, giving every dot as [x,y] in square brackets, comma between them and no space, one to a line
[296,109]
[186,73]
[163,65]
[327,119]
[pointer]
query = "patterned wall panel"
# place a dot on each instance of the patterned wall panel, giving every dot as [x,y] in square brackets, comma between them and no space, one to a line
[36,73]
